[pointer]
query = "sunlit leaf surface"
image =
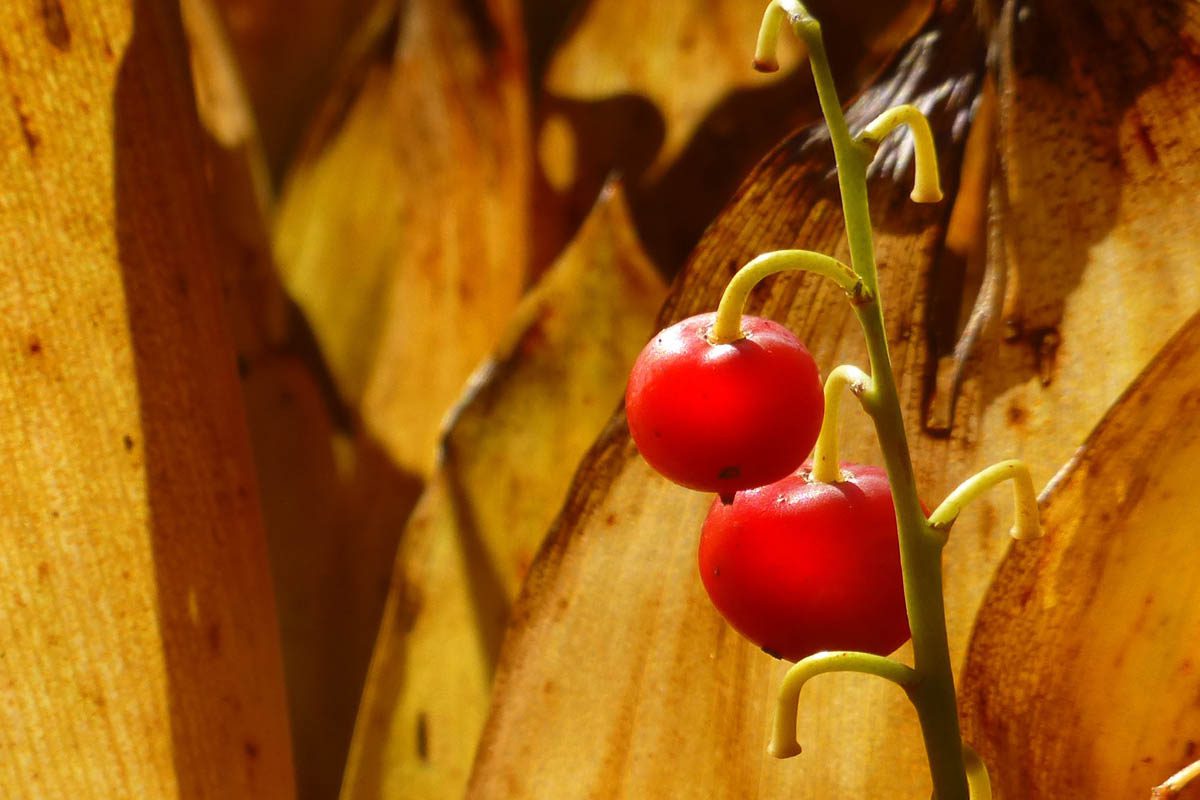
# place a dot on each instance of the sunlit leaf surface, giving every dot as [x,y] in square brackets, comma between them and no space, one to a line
[1082,675]
[138,646]
[529,416]
[402,231]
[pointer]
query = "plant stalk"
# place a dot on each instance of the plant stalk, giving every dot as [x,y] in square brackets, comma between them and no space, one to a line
[920,546]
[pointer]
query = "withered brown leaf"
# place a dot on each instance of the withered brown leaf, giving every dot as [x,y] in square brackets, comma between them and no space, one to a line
[403,228]
[529,416]
[1081,678]
[137,625]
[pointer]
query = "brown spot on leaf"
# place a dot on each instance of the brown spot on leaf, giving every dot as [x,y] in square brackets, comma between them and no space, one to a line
[32,140]
[1045,342]
[422,736]
[1016,414]
[54,22]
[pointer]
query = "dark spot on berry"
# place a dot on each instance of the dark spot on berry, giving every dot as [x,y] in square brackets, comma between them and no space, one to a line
[771,653]
[729,473]
[127,440]
[35,347]
[250,747]
[1189,750]
[610,520]
[1016,414]
[243,366]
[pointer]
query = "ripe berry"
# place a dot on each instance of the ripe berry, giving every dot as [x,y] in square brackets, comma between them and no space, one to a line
[725,417]
[798,567]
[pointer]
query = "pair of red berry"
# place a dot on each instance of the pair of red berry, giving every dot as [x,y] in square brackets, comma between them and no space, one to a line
[795,565]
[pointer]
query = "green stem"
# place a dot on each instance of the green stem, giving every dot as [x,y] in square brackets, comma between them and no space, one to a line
[826,467]
[783,735]
[920,546]
[728,325]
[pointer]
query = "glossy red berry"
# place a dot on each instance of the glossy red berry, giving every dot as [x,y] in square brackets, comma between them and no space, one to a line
[798,567]
[725,417]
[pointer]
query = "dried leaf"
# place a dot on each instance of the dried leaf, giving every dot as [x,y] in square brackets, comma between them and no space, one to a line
[681,57]
[402,232]
[333,506]
[664,95]
[617,679]
[532,411]
[138,637]
[1081,679]
[289,53]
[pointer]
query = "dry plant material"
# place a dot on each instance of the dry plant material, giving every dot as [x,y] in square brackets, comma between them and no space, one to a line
[681,58]
[1083,670]
[333,505]
[140,655]
[403,227]
[623,693]
[529,415]
[289,52]
[617,678]
[662,93]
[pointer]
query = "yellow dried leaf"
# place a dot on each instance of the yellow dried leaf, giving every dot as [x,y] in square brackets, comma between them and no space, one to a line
[402,231]
[1081,677]
[137,626]
[530,414]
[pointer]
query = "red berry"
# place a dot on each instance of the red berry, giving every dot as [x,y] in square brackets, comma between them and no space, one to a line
[725,417]
[798,567]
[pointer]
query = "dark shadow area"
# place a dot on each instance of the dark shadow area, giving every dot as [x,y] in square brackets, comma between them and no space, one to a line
[200,499]
[618,135]
[488,597]
[329,527]
[622,135]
